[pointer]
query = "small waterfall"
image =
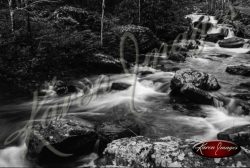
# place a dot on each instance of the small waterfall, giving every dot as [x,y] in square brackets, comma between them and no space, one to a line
[230,33]
[14,156]
[213,20]
[218,103]
[217,28]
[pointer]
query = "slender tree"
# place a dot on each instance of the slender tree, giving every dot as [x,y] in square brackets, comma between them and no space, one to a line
[11,11]
[139,10]
[102,21]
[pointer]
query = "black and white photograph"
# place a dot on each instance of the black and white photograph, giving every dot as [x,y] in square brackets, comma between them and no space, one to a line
[124,83]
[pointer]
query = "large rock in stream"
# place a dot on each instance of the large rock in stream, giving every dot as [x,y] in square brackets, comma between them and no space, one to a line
[243,70]
[233,42]
[194,86]
[142,152]
[69,137]
[200,80]
[245,85]
[120,86]
[62,88]
[178,56]
[62,138]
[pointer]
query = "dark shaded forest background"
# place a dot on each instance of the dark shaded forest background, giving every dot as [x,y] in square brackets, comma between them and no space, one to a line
[43,39]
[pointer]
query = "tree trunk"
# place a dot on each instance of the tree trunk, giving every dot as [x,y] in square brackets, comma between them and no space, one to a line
[11,9]
[139,11]
[102,21]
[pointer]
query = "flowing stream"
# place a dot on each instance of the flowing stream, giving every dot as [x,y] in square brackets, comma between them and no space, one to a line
[152,106]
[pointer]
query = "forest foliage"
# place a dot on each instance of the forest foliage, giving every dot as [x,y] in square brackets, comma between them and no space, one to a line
[40,39]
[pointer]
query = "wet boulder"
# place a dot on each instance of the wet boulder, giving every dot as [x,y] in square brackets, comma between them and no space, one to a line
[145,73]
[233,42]
[61,88]
[161,153]
[238,134]
[72,88]
[214,37]
[245,85]
[198,79]
[178,56]
[120,86]
[243,70]
[197,95]
[60,139]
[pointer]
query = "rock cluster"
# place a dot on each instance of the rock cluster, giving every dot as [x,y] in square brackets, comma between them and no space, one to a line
[63,138]
[142,152]
[69,137]
[239,70]
[200,80]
